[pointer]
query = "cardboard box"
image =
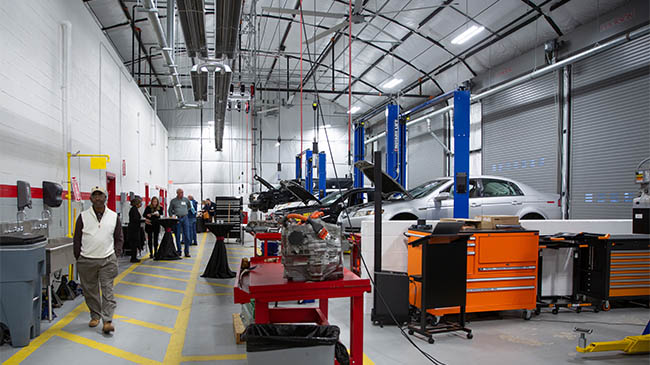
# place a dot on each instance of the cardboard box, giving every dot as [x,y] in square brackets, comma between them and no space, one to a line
[491,221]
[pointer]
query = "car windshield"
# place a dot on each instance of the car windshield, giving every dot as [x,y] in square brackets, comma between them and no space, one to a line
[426,188]
[331,198]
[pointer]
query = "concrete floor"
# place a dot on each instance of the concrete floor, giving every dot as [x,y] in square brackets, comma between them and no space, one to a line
[167,313]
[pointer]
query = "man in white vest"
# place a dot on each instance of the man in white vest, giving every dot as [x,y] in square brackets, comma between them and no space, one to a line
[98,241]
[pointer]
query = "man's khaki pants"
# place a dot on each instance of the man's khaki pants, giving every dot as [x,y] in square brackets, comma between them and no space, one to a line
[93,274]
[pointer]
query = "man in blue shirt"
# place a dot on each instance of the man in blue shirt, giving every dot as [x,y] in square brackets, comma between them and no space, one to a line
[195,208]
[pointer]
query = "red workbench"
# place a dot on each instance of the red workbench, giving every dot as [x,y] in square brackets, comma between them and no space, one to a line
[266,284]
[266,237]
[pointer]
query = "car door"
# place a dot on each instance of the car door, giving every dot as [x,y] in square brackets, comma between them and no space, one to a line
[500,197]
[445,208]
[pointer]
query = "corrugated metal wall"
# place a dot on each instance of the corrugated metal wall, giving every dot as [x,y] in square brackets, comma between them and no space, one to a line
[520,133]
[610,129]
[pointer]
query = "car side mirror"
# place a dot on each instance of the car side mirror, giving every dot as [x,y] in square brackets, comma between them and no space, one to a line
[442,196]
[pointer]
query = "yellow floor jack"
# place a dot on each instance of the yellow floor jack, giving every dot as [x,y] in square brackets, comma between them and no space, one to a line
[629,345]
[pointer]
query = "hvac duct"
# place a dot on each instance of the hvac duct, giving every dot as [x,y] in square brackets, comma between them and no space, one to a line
[199,84]
[533,75]
[192,17]
[227,20]
[221,86]
[152,14]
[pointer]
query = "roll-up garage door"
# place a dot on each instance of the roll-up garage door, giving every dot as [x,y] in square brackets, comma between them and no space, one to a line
[610,131]
[520,133]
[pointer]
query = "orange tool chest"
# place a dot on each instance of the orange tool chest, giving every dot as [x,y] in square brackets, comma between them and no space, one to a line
[501,271]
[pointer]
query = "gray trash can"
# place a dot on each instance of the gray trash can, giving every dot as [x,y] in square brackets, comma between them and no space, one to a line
[22,266]
[269,344]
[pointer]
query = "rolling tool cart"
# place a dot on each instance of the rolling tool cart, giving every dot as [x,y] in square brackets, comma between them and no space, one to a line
[501,271]
[442,278]
[558,267]
[615,267]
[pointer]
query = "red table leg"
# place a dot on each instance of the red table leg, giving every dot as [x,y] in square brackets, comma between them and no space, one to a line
[262,312]
[323,304]
[266,248]
[356,330]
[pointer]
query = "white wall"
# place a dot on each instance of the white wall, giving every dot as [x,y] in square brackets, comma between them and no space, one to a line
[288,119]
[107,112]
[229,172]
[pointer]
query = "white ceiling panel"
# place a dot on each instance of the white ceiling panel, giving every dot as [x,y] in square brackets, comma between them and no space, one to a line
[431,58]
[442,24]
[412,47]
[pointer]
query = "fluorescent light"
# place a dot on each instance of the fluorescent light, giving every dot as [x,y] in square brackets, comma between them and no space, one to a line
[355,109]
[467,34]
[392,83]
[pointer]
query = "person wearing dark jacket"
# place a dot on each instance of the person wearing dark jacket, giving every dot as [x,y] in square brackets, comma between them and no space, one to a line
[133,232]
[152,213]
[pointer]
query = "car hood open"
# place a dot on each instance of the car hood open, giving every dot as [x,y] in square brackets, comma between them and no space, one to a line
[299,192]
[388,184]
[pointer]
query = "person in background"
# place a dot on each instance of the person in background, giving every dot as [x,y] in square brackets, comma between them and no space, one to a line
[195,207]
[133,231]
[212,209]
[179,207]
[97,242]
[152,213]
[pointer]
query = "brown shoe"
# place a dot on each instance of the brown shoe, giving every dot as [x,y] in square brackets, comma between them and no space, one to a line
[108,327]
[93,323]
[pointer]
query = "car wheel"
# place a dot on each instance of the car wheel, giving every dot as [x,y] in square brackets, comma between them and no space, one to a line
[532,216]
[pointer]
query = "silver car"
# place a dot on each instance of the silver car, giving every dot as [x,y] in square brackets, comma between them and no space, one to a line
[489,195]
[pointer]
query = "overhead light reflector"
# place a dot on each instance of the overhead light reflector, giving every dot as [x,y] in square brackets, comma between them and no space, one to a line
[392,83]
[467,34]
[354,109]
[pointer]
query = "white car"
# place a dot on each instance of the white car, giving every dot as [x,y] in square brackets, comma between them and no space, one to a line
[489,195]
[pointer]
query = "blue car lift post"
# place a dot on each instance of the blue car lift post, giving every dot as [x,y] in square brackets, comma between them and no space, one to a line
[395,144]
[299,167]
[322,175]
[309,171]
[359,151]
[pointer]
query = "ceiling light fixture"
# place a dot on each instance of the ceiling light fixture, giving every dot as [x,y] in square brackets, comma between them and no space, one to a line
[467,34]
[355,109]
[392,83]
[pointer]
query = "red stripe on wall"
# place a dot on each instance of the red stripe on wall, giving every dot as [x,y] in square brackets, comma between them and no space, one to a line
[11,191]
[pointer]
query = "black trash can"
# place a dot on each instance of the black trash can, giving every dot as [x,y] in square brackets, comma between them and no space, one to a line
[281,344]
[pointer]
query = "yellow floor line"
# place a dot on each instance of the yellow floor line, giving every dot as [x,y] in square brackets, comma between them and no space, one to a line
[174,352]
[216,284]
[159,276]
[106,348]
[153,287]
[140,323]
[213,357]
[166,268]
[158,304]
[211,294]
[178,262]
[21,355]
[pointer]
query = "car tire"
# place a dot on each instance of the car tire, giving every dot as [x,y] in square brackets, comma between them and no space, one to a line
[532,216]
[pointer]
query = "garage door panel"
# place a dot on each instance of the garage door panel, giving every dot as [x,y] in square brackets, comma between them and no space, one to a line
[520,133]
[610,130]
